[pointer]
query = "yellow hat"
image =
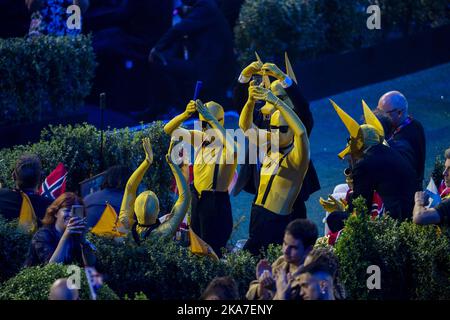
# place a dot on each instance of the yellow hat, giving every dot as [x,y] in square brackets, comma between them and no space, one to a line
[216,110]
[361,137]
[146,208]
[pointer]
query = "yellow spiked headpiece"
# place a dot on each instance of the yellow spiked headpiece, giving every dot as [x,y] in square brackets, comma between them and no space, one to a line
[369,134]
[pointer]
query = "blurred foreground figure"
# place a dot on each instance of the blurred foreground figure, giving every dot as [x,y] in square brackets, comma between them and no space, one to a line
[60,291]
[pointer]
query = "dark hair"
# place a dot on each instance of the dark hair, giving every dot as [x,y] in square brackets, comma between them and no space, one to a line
[116,177]
[66,200]
[27,171]
[304,230]
[324,260]
[225,288]
[447,153]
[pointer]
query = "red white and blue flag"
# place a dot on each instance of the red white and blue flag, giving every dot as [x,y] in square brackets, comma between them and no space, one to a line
[55,183]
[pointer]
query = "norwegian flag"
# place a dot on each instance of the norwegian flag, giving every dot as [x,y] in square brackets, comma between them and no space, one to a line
[95,281]
[55,183]
[377,209]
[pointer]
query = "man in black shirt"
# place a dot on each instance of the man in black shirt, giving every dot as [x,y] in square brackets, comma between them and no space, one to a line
[406,129]
[438,215]
[27,175]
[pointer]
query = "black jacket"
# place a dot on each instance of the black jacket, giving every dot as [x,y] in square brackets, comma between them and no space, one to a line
[11,202]
[207,36]
[414,134]
[248,178]
[384,170]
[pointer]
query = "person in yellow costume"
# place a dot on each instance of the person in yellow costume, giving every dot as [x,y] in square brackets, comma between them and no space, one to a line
[146,205]
[287,89]
[214,166]
[282,171]
[376,167]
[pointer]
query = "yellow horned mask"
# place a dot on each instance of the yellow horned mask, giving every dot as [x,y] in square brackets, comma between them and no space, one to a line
[361,137]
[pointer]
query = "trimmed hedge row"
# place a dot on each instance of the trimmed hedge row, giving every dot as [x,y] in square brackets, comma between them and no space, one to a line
[307,28]
[78,147]
[44,77]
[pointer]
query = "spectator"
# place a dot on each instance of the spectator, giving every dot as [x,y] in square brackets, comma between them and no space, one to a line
[62,238]
[401,145]
[280,184]
[444,188]
[221,288]
[423,215]
[326,255]
[395,105]
[60,291]
[299,238]
[111,192]
[377,167]
[199,47]
[27,177]
[286,88]
[145,206]
[317,278]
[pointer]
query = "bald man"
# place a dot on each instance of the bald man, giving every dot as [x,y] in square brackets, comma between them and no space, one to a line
[405,129]
[60,291]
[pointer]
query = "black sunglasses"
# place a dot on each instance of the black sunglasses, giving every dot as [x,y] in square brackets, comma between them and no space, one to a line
[283,129]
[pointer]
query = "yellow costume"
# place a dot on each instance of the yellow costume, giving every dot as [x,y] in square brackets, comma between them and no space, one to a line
[214,166]
[282,172]
[146,205]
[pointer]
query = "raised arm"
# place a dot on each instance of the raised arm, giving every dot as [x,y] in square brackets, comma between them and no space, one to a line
[301,141]
[246,117]
[225,139]
[175,124]
[126,216]
[423,215]
[181,206]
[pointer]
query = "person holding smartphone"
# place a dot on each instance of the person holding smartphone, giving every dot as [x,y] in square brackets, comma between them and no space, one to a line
[62,237]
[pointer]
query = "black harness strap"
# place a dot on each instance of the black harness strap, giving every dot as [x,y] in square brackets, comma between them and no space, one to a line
[269,185]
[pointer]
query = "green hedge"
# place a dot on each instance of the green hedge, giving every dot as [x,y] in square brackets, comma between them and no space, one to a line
[34,284]
[307,28]
[78,147]
[42,77]
[272,27]
[166,270]
[414,260]
[14,246]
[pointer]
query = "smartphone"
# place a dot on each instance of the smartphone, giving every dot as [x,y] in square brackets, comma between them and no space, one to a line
[77,211]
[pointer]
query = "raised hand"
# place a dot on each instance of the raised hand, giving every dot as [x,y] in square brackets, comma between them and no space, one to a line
[260,93]
[203,110]
[252,68]
[190,108]
[272,70]
[148,150]
[332,204]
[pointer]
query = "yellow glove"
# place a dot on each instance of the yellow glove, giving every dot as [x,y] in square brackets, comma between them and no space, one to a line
[331,204]
[272,70]
[260,93]
[190,109]
[203,111]
[148,150]
[251,69]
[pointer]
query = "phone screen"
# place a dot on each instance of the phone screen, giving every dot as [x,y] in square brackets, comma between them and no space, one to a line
[77,211]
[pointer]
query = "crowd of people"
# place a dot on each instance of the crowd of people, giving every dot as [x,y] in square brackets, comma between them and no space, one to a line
[386,165]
